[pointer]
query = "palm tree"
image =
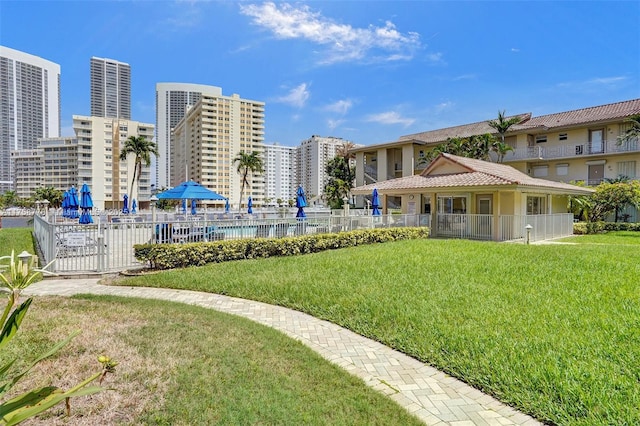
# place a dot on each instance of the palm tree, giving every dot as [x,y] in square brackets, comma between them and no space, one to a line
[501,149]
[502,126]
[142,149]
[633,132]
[247,163]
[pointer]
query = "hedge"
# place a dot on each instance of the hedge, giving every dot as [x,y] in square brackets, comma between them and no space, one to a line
[581,228]
[168,256]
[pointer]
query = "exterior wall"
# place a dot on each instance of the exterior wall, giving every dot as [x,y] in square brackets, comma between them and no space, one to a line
[280,177]
[172,100]
[110,88]
[100,140]
[208,138]
[28,171]
[29,106]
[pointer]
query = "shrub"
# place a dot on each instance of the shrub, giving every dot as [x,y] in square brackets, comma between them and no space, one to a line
[168,256]
[582,228]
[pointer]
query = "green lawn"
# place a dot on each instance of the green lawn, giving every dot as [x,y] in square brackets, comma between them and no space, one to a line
[553,330]
[615,238]
[18,239]
[186,365]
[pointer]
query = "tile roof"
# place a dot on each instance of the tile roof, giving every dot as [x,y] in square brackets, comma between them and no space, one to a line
[479,173]
[463,131]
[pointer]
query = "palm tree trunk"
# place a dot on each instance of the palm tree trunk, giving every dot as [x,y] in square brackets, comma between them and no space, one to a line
[133,180]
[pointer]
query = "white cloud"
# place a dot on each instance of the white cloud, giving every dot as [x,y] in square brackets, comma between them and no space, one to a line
[340,107]
[332,124]
[444,106]
[464,77]
[515,49]
[342,42]
[296,97]
[390,117]
[435,57]
[593,83]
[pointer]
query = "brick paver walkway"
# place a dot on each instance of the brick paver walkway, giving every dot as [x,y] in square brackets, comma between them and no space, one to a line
[431,395]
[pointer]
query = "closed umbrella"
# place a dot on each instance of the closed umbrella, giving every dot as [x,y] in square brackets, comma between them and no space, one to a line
[375,203]
[65,204]
[301,202]
[134,206]
[250,206]
[125,207]
[184,206]
[193,207]
[73,203]
[86,204]
[226,206]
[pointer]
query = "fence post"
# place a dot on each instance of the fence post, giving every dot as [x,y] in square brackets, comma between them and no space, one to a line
[51,240]
[101,251]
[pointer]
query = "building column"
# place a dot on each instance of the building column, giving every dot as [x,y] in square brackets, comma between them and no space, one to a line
[408,162]
[383,172]
[359,168]
[496,234]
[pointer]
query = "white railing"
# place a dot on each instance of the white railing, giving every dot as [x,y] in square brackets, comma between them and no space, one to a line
[465,226]
[572,150]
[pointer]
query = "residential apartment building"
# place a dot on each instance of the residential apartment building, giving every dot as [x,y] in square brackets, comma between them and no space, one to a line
[314,156]
[110,88]
[99,143]
[280,172]
[172,100]
[29,106]
[208,138]
[578,145]
[27,166]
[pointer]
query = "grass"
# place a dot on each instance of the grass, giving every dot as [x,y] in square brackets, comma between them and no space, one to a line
[619,238]
[185,365]
[17,239]
[550,329]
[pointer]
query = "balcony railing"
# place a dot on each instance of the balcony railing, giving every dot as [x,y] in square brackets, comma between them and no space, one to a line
[584,149]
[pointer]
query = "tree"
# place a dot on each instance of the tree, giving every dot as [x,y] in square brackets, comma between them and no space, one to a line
[502,126]
[142,149]
[10,199]
[49,193]
[248,163]
[341,177]
[633,132]
[501,149]
[613,198]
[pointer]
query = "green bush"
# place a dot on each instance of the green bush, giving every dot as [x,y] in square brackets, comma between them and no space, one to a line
[582,228]
[168,256]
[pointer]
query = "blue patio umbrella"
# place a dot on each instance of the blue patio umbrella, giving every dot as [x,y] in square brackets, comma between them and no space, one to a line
[86,204]
[375,203]
[125,207]
[226,206]
[134,206]
[193,207]
[250,206]
[301,202]
[73,203]
[184,206]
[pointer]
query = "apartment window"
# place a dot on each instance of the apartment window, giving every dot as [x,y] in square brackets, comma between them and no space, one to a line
[627,168]
[540,171]
[562,137]
[562,169]
[541,138]
[535,205]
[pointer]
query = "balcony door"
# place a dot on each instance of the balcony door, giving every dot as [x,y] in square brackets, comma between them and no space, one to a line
[596,141]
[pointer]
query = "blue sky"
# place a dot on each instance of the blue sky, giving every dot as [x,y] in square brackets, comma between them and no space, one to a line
[367,71]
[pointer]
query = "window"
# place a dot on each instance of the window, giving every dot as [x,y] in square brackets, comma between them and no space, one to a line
[536,205]
[562,169]
[540,171]
[541,138]
[627,168]
[562,137]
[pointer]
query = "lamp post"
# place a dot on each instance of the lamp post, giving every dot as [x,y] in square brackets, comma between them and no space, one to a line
[153,201]
[528,228]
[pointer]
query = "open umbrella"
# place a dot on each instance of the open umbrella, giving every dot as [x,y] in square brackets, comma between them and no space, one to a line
[134,206]
[190,191]
[86,204]
[226,206]
[125,207]
[301,202]
[250,206]
[375,203]
[73,203]
[193,207]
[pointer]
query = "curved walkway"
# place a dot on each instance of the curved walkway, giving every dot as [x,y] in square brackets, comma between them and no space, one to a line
[429,394]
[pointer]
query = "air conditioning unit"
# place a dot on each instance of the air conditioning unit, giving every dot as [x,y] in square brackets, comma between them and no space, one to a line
[579,149]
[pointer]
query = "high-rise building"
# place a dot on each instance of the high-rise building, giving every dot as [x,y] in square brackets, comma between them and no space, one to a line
[208,138]
[280,172]
[172,100]
[29,106]
[110,88]
[314,156]
[100,141]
